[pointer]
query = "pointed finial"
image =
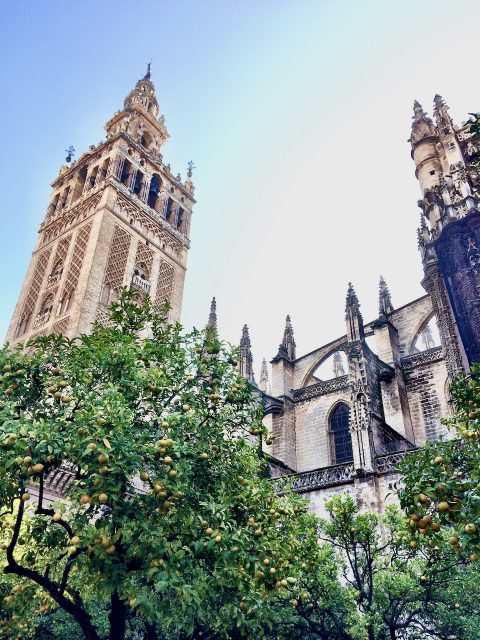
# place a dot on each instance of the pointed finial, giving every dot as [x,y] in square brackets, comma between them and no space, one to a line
[148,74]
[245,339]
[352,298]
[385,306]
[355,330]
[263,385]
[287,347]
[438,101]
[422,125]
[245,364]
[418,112]
[212,317]
[338,368]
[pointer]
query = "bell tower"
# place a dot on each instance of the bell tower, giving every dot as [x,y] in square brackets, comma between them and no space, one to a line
[117,217]
[446,160]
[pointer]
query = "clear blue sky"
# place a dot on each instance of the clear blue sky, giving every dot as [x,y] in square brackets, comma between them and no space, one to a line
[296,113]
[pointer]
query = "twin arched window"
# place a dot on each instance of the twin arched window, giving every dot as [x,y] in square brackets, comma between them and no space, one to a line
[341,438]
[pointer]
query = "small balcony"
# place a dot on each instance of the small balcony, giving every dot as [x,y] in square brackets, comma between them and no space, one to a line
[53,278]
[141,284]
[42,318]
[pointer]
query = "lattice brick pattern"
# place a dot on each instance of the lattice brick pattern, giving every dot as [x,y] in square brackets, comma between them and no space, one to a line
[62,250]
[62,326]
[164,283]
[102,317]
[144,254]
[117,259]
[77,259]
[36,284]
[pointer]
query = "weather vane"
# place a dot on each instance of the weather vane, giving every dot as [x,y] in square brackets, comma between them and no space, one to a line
[70,152]
[191,166]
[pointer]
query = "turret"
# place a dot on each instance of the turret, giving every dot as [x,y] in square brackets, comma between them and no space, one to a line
[424,139]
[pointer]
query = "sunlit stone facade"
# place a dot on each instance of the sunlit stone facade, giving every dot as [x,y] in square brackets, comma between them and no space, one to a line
[117,217]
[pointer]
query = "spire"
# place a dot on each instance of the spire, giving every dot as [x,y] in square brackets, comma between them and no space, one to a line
[286,349]
[385,306]
[438,103]
[442,117]
[353,316]
[288,339]
[245,364]
[422,125]
[143,95]
[264,377]
[212,318]
[338,368]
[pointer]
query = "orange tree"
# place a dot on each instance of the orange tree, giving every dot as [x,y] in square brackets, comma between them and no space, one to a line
[440,488]
[402,591]
[166,519]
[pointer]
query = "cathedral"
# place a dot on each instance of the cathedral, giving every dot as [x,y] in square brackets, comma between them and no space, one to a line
[341,416]
[345,414]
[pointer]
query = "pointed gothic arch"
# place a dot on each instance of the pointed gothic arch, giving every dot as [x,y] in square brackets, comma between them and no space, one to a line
[426,336]
[341,449]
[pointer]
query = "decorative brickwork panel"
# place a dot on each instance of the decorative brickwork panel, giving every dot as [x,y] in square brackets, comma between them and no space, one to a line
[35,288]
[145,255]
[419,359]
[164,283]
[117,259]
[388,463]
[150,222]
[74,216]
[424,399]
[321,388]
[62,326]
[58,261]
[317,479]
[77,259]
[102,317]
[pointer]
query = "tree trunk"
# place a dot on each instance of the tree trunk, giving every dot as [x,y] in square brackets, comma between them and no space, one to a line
[117,618]
[151,634]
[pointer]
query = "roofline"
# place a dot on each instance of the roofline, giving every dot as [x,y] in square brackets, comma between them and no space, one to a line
[365,324]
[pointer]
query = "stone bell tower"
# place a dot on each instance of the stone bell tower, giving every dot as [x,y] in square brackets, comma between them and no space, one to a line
[446,160]
[117,217]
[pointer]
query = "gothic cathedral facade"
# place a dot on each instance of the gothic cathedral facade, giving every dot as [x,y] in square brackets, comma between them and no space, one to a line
[117,217]
[345,414]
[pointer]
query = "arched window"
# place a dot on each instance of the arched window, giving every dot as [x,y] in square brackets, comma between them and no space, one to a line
[146,139]
[154,191]
[138,183]
[427,337]
[80,183]
[56,273]
[22,327]
[126,175]
[341,437]
[92,177]
[45,311]
[171,211]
